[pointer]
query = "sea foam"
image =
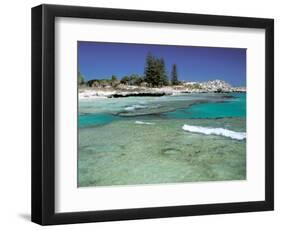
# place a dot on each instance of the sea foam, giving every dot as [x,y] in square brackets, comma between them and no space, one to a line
[135,107]
[143,123]
[215,131]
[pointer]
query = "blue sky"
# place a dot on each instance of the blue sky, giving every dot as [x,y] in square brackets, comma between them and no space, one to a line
[98,60]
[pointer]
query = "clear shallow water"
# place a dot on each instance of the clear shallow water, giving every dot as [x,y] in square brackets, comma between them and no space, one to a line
[140,140]
[235,107]
[104,111]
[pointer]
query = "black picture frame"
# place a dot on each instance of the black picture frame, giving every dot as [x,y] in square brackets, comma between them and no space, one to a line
[43,114]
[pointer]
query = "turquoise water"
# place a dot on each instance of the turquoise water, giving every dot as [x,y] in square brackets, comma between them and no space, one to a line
[234,107]
[216,107]
[95,119]
[140,140]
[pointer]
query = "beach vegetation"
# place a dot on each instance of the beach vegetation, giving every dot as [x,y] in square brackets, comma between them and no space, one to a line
[113,78]
[194,86]
[81,79]
[133,79]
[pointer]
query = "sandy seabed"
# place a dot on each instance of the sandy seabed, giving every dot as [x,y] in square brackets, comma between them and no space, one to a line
[127,152]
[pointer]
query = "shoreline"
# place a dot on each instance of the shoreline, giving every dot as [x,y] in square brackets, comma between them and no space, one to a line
[135,91]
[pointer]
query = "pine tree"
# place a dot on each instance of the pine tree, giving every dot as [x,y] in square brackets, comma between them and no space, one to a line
[155,72]
[148,73]
[174,75]
[163,78]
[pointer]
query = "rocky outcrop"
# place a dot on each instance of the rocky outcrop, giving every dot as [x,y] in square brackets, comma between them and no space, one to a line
[215,86]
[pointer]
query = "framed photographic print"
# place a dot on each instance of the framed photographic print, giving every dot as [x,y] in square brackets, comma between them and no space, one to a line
[142,114]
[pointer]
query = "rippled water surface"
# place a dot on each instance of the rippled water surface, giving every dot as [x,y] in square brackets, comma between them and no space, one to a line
[142,140]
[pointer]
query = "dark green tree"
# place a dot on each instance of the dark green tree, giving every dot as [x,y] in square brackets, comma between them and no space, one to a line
[161,72]
[148,72]
[155,73]
[114,81]
[139,81]
[113,78]
[174,75]
[81,79]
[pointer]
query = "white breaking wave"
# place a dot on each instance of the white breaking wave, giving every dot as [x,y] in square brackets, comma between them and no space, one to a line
[215,131]
[134,107]
[143,123]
